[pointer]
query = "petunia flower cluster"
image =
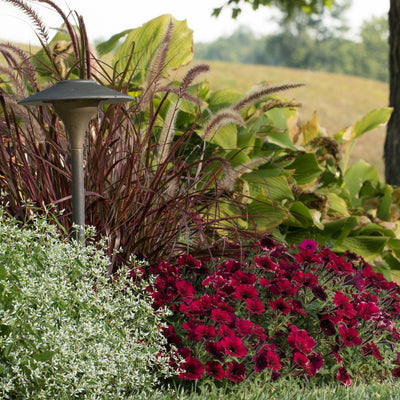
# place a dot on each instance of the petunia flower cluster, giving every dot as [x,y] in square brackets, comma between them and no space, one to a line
[302,311]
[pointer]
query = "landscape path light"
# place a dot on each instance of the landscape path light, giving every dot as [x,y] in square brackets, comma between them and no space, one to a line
[76,102]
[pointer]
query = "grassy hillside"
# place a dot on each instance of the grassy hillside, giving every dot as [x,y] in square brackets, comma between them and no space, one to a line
[339,100]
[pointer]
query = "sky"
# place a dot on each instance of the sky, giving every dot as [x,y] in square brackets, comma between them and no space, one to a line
[117,15]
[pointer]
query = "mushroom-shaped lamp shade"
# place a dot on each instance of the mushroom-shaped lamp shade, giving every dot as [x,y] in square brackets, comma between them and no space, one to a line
[76,102]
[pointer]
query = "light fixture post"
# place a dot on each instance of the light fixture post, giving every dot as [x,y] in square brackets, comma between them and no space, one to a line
[76,102]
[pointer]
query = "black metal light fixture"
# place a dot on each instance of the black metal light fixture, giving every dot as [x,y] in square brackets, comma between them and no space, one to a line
[76,102]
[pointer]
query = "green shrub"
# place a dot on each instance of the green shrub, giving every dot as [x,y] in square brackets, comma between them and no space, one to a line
[66,330]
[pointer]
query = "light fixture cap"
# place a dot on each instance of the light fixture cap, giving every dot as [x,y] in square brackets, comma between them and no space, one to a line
[76,89]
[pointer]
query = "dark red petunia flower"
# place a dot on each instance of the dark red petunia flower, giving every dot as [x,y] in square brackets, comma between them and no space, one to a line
[192,369]
[265,282]
[282,288]
[307,257]
[189,261]
[214,280]
[244,292]
[184,352]
[305,279]
[280,305]
[244,327]
[265,263]
[327,326]
[240,277]
[193,308]
[319,293]
[235,371]
[223,305]
[349,336]
[215,370]
[165,269]
[255,306]
[372,349]
[206,332]
[316,361]
[190,327]
[303,362]
[300,340]
[339,265]
[367,311]
[216,350]
[259,332]
[224,330]
[396,372]
[266,358]
[185,289]
[171,336]
[343,376]
[230,267]
[221,316]
[297,307]
[267,243]
[342,302]
[336,353]
[308,244]
[233,346]
[357,281]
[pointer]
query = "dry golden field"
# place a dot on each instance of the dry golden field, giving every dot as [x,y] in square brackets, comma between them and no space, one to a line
[339,100]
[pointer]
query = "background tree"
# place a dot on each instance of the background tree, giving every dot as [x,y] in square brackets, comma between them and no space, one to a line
[392,143]
[313,42]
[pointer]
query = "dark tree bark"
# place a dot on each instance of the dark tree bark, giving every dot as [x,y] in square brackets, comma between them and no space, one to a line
[392,142]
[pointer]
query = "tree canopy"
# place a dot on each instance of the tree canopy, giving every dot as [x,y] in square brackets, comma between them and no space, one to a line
[287,6]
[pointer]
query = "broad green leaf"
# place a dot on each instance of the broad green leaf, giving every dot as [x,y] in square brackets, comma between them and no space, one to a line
[222,99]
[147,40]
[300,216]
[374,230]
[383,211]
[391,260]
[368,247]
[265,216]
[275,187]
[384,271]
[237,158]
[371,121]
[306,168]
[282,139]
[226,137]
[227,216]
[279,116]
[356,175]
[338,230]
[109,45]
[246,139]
[337,204]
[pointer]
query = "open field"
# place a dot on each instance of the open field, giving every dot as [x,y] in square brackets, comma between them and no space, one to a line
[339,100]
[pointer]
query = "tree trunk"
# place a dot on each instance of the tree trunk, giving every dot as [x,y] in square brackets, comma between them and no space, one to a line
[392,142]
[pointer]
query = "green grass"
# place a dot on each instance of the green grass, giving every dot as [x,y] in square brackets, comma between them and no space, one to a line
[258,390]
[339,100]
